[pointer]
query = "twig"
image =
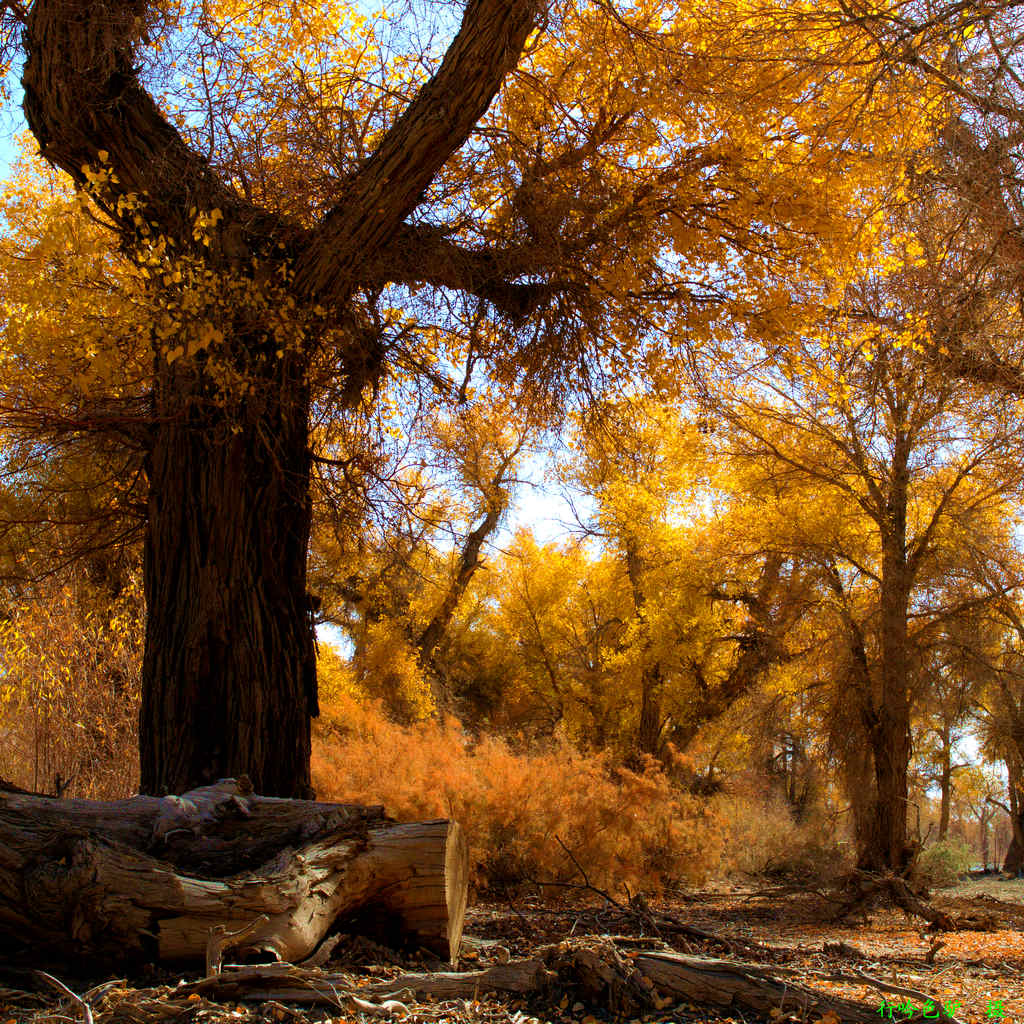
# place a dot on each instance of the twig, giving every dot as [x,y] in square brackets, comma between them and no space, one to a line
[61,987]
[586,880]
[515,910]
[221,940]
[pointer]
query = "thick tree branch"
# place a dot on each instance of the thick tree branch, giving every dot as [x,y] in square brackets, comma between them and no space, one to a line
[435,125]
[422,254]
[83,98]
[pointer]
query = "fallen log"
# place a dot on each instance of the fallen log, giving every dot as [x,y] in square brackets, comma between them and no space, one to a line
[596,972]
[187,877]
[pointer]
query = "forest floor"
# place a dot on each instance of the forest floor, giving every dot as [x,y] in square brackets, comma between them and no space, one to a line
[978,975]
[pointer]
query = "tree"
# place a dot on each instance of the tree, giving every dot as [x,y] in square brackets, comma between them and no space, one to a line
[975,799]
[281,207]
[1003,719]
[654,620]
[709,607]
[393,574]
[965,174]
[229,659]
[950,685]
[915,467]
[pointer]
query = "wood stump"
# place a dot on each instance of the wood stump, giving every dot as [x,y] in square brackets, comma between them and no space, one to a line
[185,877]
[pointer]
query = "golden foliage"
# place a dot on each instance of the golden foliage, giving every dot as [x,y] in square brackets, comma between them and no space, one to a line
[70,662]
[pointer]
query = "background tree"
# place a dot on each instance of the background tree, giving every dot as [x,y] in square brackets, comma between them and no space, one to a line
[676,535]
[393,571]
[915,462]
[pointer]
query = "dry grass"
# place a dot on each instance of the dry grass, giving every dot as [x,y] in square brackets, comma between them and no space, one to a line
[764,839]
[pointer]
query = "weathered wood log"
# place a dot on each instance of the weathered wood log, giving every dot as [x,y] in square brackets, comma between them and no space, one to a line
[173,878]
[594,970]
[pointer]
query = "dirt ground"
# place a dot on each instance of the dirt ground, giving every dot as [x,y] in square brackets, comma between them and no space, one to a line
[981,970]
[977,974]
[1008,890]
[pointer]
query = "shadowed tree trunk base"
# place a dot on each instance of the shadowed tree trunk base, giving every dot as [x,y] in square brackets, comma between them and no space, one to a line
[865,889]
[219,868]
[1014,862]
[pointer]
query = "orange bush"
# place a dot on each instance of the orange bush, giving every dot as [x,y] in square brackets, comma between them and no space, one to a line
[624,828]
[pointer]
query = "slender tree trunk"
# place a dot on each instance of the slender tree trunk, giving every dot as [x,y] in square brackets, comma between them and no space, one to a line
[985,846]
[945,788]
[649,732]
[652,681]
[430,638]
[229,669]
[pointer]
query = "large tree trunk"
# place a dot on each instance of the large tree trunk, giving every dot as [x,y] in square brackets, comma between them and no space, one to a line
[228,674]
[886,846]
[887,717]
[1014,861]
[229,671]
[176,878]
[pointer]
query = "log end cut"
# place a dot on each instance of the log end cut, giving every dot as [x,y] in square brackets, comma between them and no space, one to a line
[421,879]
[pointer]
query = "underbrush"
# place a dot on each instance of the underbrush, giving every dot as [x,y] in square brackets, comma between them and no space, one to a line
[765,840]
[942,863]
[542,817]
[69,691]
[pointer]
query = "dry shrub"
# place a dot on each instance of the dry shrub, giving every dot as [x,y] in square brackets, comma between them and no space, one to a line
[943,863]
[624,828]
[764,839]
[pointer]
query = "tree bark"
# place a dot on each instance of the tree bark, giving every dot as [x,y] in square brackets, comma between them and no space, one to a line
[174,878]
[229,668]
[649,731]
[649,737]
[886,845]
[1014,860]
[886,709]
